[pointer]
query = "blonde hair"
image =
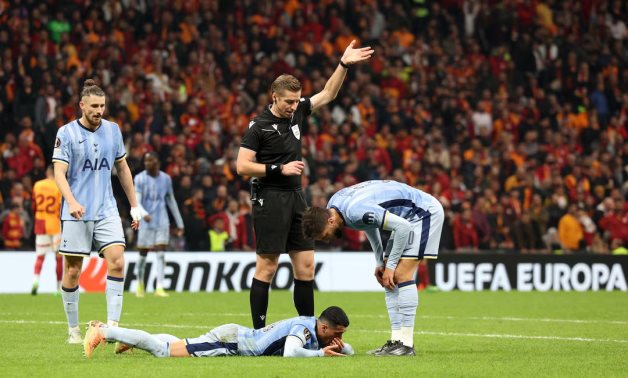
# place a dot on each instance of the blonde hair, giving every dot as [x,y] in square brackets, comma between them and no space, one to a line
[285,82]
[91,89]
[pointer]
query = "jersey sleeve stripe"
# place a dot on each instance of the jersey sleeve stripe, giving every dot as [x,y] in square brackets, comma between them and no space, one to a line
[58,160]
[121,157]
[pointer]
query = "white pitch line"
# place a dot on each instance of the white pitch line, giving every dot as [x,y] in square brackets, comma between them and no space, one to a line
[507,336]
[365,316]
[517,319]
[430,333]
[485,318]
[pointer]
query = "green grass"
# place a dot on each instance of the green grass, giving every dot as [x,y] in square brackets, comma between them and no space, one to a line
[457,334]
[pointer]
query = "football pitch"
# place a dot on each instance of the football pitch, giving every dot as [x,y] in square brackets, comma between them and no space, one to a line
[456,334]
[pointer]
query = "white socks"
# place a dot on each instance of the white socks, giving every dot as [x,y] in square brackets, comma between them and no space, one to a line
[70,298]
[161,263]
[408,302]
[392,297]
[113,292]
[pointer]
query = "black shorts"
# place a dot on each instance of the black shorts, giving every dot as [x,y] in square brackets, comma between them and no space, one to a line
[277,217]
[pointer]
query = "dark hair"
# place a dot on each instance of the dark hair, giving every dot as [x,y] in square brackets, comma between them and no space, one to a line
[334,316]
[285,82]
[314,221]
[91,89]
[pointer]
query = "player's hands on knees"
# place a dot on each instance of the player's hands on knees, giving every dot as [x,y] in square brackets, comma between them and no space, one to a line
[379,275]
[294,168]
[388,279]
[77,210]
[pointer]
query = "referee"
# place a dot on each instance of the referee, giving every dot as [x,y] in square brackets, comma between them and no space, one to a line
[271,150]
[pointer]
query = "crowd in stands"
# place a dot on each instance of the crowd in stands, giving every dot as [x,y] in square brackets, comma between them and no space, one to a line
[513,113]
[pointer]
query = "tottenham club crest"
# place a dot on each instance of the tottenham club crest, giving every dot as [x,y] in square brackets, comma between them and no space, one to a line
[296,132]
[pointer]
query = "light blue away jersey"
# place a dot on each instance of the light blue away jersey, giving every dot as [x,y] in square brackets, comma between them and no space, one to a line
[154,193]
[90,156]
[270,340]
[363,206]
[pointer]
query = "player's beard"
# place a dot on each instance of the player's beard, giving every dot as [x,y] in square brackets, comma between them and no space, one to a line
[95,120]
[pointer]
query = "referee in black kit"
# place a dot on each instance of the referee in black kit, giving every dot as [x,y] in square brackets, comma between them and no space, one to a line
[271,150]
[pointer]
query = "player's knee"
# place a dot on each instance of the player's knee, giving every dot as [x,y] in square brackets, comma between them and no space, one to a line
[265,269]
[304,270]
[72,272]
[404,275]
[265,274]
[115,263]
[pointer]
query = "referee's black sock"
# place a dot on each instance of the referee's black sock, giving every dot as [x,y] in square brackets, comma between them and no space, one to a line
[259,302]
[304,297]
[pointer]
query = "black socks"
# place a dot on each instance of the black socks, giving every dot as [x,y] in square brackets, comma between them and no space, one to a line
[259,302]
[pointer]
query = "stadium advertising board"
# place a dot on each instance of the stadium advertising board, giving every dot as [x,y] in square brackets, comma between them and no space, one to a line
[472,272]
[347,271]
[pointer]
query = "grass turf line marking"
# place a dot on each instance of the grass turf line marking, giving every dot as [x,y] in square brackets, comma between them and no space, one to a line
[486,318]
[446,317]
[430,333]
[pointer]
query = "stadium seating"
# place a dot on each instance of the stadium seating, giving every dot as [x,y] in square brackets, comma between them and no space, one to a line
[513,113]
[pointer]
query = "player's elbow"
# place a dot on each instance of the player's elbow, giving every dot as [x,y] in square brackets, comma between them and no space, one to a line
[288,353]
[242,168]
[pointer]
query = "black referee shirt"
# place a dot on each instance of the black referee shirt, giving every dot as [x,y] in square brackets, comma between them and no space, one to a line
[278,141]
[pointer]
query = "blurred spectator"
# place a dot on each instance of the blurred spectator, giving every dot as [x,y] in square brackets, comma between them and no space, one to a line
[193,212]
[570,230]
[218,237]
[13,227]
[527,234]
[615,223]
[465,233]
[521,105]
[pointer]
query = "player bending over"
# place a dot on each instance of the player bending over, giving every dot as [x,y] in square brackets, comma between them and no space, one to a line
[416,221]
[304,336]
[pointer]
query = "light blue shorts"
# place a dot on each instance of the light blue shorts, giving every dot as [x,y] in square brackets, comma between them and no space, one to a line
[424,239]
[220,341]
[78,237]
[148,238]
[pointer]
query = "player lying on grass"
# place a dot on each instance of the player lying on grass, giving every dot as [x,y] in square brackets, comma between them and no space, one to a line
[304,336]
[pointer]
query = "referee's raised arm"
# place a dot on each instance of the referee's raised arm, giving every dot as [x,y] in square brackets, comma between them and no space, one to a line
[332,87]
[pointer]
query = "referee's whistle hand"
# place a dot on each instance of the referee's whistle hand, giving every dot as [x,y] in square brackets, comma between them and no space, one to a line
[294,168]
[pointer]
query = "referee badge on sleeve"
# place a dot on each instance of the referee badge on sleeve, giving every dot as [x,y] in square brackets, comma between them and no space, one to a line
[296,131]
